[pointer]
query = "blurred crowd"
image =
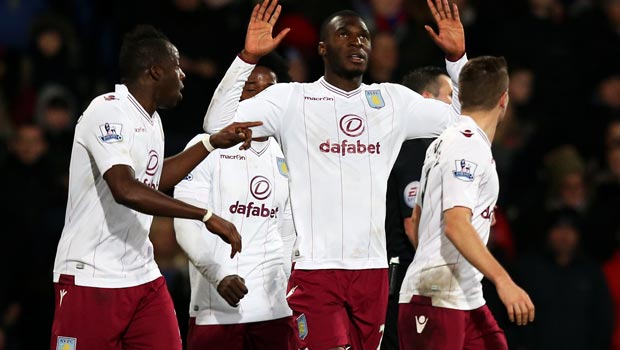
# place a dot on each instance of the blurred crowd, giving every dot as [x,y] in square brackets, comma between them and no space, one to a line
[557,152]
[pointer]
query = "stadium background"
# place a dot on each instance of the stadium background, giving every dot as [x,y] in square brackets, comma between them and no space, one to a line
[558,152]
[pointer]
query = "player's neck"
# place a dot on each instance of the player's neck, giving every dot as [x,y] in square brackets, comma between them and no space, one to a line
[143,95]
[486,120]
[343,83]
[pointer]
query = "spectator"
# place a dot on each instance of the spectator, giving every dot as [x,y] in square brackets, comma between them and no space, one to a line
[31,227]
[54,57]
[573,305]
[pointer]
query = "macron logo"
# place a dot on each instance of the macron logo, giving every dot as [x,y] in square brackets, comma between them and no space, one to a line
[290,292]
[420,323]
[311,98]
[63,292]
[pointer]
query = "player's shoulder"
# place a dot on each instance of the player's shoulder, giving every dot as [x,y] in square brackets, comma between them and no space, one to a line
[107,105]
[465,135]
[391,87]
[280,90]
[394,90]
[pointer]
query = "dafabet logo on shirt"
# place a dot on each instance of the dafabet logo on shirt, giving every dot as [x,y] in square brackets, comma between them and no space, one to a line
[260,189]
[353,126]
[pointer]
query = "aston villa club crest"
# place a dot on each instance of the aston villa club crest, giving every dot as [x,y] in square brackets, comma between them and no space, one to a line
[66,343]
[282,167]
[374,98]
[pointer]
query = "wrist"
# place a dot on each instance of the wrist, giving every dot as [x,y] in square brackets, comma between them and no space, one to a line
[207,215]
[248,58]
[455,57]
[206,141]
[501,280]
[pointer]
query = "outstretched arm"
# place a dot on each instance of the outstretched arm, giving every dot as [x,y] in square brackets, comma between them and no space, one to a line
[259,41]
[176,167]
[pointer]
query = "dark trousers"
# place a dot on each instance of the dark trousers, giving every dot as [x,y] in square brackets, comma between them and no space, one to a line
[396,277]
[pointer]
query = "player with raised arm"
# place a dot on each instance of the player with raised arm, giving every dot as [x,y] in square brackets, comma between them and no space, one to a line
[109,291]
[441,302]
[240,304]
[340,139]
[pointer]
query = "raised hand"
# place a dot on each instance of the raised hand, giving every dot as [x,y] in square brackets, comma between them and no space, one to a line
[451,36]
[518,304]
[232,288]
[259,39]
[226,231]
[234,134]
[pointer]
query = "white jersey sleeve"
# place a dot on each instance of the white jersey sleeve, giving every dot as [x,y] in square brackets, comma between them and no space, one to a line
[425,117]
[454,70]
[287,231]
[108,136]
[192,235]
[463,168]
[421,117]
[225,100]
[267,107]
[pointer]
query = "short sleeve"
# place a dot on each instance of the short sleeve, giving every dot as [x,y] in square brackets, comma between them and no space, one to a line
[107,133]
[269,107]
[463,168]
[197,184]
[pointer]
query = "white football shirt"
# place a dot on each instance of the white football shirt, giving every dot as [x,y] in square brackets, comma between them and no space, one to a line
[249,189]
[459,170]
[105,244]
[340,147]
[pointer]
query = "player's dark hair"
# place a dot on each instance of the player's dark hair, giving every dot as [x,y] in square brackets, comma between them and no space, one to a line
[424,79]
[343,13]
[141,49]
[277,64]
[482,82]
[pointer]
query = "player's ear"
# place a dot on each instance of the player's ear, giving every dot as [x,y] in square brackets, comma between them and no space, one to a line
[427,94]
[155,71]
[321,49]
[503,100]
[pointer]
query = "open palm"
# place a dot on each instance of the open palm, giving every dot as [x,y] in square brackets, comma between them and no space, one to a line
[451,36]
[259,39]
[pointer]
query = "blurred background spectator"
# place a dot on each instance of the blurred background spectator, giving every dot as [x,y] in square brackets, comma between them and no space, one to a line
[558,151]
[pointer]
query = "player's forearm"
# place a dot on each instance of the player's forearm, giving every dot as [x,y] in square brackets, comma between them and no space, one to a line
[225,100]
[177,167]
[144,199]
[191,238]
[467,241]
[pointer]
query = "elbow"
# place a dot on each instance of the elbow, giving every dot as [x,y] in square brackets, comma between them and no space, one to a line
[209,125]
[123,195]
